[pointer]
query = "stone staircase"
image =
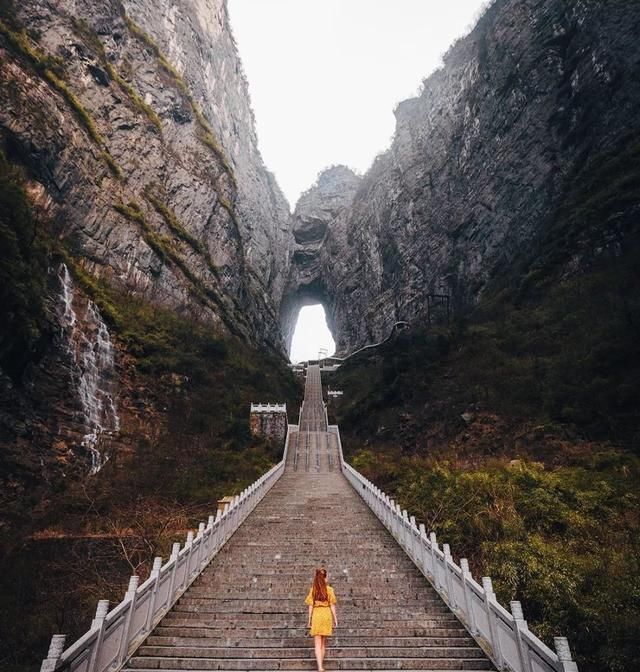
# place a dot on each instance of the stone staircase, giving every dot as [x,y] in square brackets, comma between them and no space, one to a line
[246,610]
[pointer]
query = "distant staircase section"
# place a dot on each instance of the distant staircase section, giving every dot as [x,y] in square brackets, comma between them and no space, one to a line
[232,598]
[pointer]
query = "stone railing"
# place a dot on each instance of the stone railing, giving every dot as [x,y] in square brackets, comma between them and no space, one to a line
[115,635]
[268,408]
[503,634]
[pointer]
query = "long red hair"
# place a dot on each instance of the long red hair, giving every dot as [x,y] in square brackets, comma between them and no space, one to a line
[320,585]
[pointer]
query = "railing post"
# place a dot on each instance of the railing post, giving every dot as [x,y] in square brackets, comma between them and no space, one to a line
[209,554]
[414,538]
[447,575]
[155,574]
[406,530]
[200,545]
[494,635]
[131,596]
[56,647]
[187,569]
[468,596]
[434,561]
[175,550]
[423,549]
[521,624]
[98,624]
[561,645]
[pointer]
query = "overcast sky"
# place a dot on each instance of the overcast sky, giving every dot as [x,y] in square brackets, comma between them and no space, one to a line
[324,77]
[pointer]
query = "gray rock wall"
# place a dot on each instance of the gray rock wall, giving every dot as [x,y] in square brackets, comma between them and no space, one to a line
[478,163]
[161,120]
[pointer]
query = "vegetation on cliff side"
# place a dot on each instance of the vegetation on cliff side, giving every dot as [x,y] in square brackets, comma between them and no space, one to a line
[23,275]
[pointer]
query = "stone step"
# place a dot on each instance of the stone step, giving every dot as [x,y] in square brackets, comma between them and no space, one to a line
[250,664]
[286,631]
[270,620]
[340,640]
[282,653]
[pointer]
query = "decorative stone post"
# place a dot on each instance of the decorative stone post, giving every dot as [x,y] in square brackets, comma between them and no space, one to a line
[155,574]
[200,538]
[130,596]
[494,635]
[56,647]
[406,531]
[414,538]
[423,550]
[561,645]
[175,551]
[447,575]
[434,560]
[468,596]
[521,624]
[98,624]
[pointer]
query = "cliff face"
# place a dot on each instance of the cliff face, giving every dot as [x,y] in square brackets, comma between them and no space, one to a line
[481,160]
[144,105]
[319,247]
[130,128]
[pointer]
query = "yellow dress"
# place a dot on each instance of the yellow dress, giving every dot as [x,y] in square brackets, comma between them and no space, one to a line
[321,618]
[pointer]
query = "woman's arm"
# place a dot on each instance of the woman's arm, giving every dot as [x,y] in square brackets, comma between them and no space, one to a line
[310,612]
[335,616]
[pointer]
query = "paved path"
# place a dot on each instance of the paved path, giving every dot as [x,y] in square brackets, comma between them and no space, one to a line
[246,610]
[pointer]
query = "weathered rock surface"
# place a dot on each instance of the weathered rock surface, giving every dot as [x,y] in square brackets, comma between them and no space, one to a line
[158,88]
[133,125]
[316,221]
[478,164]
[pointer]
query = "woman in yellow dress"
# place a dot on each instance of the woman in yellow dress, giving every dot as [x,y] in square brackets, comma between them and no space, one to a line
[322,614]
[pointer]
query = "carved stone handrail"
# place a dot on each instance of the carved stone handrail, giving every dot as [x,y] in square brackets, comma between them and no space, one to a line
[115,635]
[503,634]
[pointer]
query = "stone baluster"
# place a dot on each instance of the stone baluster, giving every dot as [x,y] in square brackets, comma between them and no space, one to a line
[434,561]
[423,551]
[468,596]
[448,560]
[175,551]
[155,574]
[218,531]
[414,538]
[561,645]
[209,546]
[406,531]
[56,647]
[187,561]
[98,624]
[224,524]
[399,523]
[200,554]
[131,597]
[494,635]
[520,625]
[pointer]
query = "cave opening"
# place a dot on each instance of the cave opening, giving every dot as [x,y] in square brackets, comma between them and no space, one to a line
[312,335]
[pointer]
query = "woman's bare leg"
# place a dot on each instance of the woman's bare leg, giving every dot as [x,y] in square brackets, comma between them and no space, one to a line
[324,649]
[317,643]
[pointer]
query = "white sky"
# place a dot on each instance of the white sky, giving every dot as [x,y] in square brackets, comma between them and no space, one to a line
[324,77]
[311,334]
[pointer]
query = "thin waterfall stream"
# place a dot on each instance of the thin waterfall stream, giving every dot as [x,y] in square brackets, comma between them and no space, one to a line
[91,350]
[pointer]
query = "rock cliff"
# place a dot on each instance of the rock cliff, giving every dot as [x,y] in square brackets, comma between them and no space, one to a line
[133,118]
[479,163]
[130,126]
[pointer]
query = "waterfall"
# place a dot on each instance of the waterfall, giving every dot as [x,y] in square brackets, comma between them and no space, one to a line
[91,351]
